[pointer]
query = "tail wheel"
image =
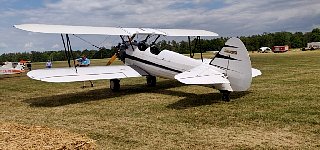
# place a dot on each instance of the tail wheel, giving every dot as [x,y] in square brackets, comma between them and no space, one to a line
[151,81]
[115,85]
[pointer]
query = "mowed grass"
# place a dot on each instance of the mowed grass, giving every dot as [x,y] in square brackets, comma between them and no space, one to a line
[280,111]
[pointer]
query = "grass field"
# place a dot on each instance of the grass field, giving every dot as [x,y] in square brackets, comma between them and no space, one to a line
[280,111]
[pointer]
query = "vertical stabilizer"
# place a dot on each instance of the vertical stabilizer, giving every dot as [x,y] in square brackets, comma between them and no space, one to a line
[235,61]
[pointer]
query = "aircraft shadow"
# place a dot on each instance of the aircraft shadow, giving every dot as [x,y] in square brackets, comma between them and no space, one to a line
[9,76]
[189,100]
[195,100]
[98,94]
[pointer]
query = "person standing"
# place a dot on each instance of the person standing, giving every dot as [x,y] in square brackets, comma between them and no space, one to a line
[49,64]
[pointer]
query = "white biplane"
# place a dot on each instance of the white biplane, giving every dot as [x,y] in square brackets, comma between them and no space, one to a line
[229,70]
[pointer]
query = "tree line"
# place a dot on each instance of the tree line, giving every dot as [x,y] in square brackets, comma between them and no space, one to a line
[253,43]
[35,56]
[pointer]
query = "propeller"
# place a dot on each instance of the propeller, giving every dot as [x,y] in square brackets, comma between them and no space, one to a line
[120,49]
[120,53]
[112,59]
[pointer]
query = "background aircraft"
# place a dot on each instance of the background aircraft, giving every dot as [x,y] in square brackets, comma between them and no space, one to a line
[11,68]
[229,70]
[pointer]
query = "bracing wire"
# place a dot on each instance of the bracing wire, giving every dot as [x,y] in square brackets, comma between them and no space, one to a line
[86,41]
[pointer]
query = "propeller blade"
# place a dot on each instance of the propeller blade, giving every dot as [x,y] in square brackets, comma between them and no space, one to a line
[112,59]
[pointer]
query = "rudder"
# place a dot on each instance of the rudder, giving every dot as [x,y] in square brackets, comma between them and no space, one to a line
[234,60]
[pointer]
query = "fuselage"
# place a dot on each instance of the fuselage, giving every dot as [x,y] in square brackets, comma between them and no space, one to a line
[10,68]
[164,64]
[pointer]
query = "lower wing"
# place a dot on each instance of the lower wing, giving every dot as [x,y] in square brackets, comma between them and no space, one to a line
[83,73]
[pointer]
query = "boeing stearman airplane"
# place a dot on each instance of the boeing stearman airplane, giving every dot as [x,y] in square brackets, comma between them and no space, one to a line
[230,69]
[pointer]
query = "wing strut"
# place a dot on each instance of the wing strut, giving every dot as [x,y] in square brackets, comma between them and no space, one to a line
[197,45]
[68,50]
[154,42]
[123,41]
[65,50]
[198,38]
[145,40]
[69,47]
[130,43]
[191,55]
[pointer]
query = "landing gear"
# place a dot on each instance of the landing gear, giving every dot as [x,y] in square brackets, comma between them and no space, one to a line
[84,84]
[151,81]
[115,85]
[92,85]
[225,95]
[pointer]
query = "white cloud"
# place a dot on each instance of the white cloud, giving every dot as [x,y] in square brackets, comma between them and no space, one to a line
[55,46]
[28,45]
[316,26]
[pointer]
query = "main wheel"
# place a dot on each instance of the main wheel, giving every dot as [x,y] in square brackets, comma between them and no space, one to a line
[151,81]
[115,85]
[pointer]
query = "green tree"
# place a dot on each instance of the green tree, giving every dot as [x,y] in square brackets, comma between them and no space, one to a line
[175,46]
[315,35]
[282,38]
[183,47]
[297,40]
[267,40]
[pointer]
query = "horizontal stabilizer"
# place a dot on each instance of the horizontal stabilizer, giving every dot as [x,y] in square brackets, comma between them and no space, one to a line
[83,73]
[256,72]
[67,29]
[203,74]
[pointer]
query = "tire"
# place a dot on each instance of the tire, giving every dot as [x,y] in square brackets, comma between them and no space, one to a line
[225,95]
[115,85]
[225,98]
[151,81]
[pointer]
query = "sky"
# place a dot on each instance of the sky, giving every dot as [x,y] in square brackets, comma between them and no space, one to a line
[226,17]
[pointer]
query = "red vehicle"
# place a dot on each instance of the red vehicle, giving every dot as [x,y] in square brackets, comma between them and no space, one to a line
[280,49]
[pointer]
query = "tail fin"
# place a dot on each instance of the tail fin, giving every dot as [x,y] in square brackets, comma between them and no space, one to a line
[235,61]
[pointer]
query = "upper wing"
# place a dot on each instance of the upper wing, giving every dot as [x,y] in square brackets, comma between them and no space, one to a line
[65,29]
[187,32]
[83,73]
[203,74]
[43,28]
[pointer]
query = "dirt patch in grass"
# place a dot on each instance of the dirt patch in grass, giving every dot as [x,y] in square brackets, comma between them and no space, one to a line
[15,136]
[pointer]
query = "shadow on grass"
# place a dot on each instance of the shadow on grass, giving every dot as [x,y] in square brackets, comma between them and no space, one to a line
[98,94]
[195,100]
[190,100]
[9,76]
